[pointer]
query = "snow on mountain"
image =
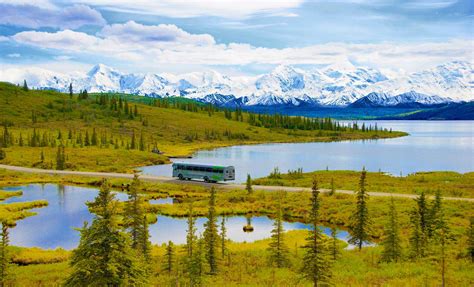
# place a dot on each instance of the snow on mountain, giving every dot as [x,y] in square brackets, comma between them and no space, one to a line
[410,99]
[454,80]
[340,84]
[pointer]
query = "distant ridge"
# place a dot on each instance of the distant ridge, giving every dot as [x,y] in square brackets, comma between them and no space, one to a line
[343,85]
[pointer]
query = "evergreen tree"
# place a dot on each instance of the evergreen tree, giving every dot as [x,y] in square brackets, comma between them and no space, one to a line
[94,137]
[136,221]
[169,257]
[332,191]
[193,258]
[60,158]
[142,142]
[223,238]
[334,245]
[434,215]
[278,250]
[316,262]
[4,256]
[392,250]
[471,239]
[86,139]
[133,144]
[70,90]
[360,220]
[3,154]
[420,224]
[210,234]
[248,185]
[104,256]
[25,86]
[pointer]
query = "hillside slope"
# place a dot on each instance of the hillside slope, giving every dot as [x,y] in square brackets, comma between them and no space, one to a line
[116,133]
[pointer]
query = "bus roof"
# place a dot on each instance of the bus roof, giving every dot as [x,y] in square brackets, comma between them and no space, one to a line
[200,164]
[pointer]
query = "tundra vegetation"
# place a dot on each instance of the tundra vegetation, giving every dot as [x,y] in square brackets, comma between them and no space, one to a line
[399,228]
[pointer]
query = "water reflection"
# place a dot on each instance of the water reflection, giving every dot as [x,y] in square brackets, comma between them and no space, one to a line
[54,225]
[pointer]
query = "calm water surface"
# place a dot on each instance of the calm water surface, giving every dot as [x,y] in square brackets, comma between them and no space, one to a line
[54,225]
[431,146]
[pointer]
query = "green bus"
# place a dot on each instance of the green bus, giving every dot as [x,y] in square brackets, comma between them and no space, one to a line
[209,173]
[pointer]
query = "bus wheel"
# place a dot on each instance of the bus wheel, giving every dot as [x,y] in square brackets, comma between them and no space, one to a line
[206,179]
[180,176]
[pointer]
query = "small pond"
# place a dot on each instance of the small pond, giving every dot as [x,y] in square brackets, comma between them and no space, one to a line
[54,225]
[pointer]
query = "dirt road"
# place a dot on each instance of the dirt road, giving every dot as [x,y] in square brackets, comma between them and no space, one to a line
[166,179]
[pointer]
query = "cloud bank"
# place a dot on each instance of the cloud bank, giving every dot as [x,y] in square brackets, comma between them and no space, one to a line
[168,44]
[31,16]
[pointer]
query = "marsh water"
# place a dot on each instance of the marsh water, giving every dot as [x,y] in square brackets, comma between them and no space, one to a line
[430,146]
[54,225]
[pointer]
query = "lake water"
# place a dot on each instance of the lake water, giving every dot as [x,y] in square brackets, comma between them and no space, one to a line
[54,224]
[431,146]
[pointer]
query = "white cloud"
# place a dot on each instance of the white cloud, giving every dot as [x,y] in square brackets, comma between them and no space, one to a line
[134,44]
[38,3]
[31,16]
[63,40]
[14,55]
[133,32]
[194,8]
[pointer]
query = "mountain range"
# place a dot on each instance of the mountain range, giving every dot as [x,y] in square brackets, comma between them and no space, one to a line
[341,85]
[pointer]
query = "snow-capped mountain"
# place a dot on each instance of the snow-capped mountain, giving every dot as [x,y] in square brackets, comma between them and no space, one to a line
[341,84]
[410,99]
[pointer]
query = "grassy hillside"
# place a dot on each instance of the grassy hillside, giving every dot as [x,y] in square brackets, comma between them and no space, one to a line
[126,129]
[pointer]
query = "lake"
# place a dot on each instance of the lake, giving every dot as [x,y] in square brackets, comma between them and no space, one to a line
[54,224]
[431,146]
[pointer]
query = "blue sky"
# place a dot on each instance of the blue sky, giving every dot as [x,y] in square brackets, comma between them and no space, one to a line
[237,37]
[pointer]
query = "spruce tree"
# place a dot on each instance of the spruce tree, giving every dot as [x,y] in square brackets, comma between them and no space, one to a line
[86,139]
[133,144]
[70,90]
[4,256]
[392,250]
[104,256]
[25,86]
[223,238]
[3,154]
[94,138]
[136,221]
[210,234]
[332,191]
[334,244]
[142,142]
[169,258]
[193,257]
[434,215]
[420,224]
[360,220]
[316,262]
[471,239]
[279,252]
[248,185]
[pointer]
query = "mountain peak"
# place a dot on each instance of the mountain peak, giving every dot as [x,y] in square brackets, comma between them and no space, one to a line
[101,68]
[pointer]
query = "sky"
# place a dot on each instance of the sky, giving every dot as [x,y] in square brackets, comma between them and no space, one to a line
[245,37]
